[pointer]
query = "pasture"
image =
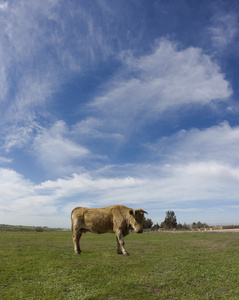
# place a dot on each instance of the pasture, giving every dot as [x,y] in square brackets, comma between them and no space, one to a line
[42,265]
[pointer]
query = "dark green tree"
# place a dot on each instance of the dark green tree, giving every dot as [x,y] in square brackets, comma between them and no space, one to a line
[170,220]
[39,229]
[156,226]
[148,223]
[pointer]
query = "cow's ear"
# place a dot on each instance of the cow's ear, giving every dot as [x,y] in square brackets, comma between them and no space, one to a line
[131,212]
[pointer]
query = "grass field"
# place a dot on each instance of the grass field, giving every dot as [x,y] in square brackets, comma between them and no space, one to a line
[41,265]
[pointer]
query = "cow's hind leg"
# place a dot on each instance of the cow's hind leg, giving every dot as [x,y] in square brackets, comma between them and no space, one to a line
[78,238]
[119,251]
[120,244]
[76,235]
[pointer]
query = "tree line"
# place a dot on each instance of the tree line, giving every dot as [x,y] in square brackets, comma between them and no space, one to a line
[170,222]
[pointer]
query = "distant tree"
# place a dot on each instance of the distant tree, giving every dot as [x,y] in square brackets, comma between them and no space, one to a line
[39,229]
[170,220]
[194,225]
[186,226]
[179,226]
[199,225]
[148,223]
[156,226]
[183,227]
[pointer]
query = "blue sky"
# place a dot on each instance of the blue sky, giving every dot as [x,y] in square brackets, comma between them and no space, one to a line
[119,102]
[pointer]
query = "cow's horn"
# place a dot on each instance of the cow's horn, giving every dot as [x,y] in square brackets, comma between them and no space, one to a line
[142,211]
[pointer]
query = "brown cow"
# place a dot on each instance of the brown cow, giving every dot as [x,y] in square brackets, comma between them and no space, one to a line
[115,219]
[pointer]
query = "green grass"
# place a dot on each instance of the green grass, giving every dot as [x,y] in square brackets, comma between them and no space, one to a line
[42,265]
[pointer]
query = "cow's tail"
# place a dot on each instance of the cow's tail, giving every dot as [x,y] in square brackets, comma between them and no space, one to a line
[72,217]
[72,220]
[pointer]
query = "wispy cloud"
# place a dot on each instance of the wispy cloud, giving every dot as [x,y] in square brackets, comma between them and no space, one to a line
[224,29]
[202,174]
[13,184]
[42,44]
[39,49]
[178,186]
[142,80]
[4,160]
[20,204]
[29,77]
[19,135]
[4,6]
[218,143]
[163,80]
[56,152]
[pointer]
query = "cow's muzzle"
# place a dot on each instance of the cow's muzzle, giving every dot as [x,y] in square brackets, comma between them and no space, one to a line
[139,231]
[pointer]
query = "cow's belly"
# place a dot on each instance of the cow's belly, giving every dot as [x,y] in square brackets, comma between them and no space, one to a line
[101,231]
[97,229]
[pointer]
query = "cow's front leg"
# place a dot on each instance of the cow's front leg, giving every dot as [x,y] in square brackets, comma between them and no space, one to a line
[120,244]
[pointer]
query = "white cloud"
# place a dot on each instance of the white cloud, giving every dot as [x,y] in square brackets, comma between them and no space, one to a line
[17,136]
[218,143]
[3,82]
[33,93]
[12,186]
[150,185]
[189,181]
[183,185]
[40,48]
[38,53]
[20,203]
[201,181]
[95,128]
[56,151]
[165,79]
[224,30]
[23,202]
[4,160]
[89,190]
[29,75]
[4,6]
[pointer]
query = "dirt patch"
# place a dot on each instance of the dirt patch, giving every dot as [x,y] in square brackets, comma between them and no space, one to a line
[154,290]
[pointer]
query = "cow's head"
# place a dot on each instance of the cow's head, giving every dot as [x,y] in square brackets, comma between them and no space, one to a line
[137,219]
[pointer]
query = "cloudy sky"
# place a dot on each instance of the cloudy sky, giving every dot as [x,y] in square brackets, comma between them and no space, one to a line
[119,102]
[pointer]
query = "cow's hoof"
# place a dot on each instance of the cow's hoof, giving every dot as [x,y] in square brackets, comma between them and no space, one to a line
[119,252]
[77,253]
[126,254]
